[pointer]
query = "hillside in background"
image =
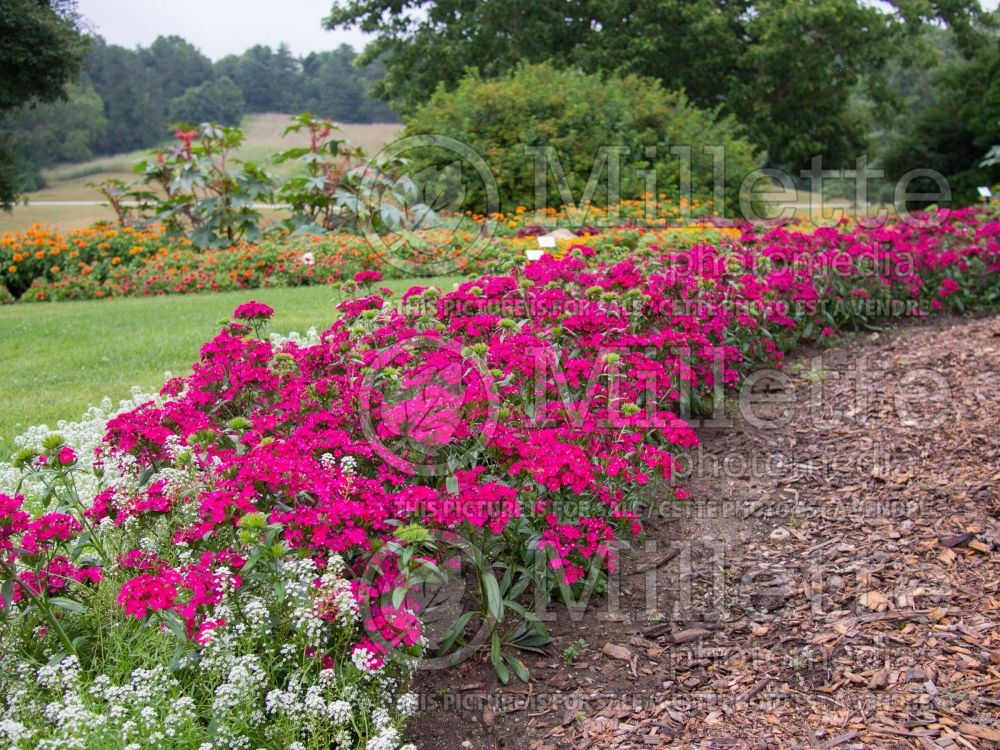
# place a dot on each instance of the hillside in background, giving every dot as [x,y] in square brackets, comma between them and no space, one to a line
[68,182]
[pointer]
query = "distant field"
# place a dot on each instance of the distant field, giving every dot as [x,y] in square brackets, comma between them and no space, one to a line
[69,182]
[267,128]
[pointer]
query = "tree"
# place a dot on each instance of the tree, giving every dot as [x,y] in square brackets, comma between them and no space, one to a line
[60,131]
[41,49]
[271,81]
[218,101]
[373,109]
[955,133]
[178,64]
[786,69]
[134,103]
[333,86]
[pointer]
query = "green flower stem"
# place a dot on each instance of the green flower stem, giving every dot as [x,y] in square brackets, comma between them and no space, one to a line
[43,606]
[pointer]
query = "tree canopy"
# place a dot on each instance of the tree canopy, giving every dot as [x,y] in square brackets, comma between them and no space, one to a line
[218,101]
[786,69]
[41,49]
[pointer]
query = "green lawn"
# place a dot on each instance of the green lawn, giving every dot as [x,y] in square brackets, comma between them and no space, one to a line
[56,359]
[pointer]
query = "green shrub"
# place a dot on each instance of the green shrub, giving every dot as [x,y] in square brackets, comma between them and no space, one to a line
[576,115]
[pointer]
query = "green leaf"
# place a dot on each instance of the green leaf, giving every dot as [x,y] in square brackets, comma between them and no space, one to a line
[398,594]
[174,625]
[519,668]
[252,561]
[502,672]
[506,580]
[494,602]
[525,613]
[413,532]
[7,593]
[520,586]
[454,632]
[68,604]
[175,660]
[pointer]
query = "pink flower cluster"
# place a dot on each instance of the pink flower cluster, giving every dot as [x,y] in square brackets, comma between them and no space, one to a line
[189,591]
[535,407]
[367,277]
[253,310]
[39,540]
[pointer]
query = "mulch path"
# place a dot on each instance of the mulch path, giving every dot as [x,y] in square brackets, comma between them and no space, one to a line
[834,581]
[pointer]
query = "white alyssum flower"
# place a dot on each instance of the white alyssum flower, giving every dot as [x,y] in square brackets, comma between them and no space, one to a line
[387,739]
[407,704]
[84,436]
[245,679]
[309,338]
[14,732]
[339,712]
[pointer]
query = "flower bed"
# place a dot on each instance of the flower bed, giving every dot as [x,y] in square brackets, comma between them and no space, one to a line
[42,266]
[258,538]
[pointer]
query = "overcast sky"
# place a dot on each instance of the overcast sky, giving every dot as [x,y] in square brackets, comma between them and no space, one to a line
[218,27]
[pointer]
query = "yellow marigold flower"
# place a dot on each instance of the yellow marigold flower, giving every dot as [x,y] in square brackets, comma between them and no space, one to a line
[116,260]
